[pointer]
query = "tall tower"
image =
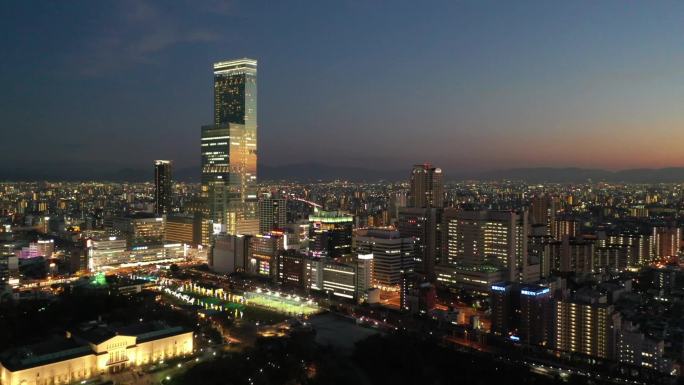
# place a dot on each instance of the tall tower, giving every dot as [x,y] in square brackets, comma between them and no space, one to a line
[427,187]
[162,187]
[229,149]
[422,217]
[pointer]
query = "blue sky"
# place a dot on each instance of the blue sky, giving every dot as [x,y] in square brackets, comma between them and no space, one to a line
[474,84]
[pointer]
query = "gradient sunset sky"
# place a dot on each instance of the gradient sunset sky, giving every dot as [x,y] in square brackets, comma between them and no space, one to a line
[473,84]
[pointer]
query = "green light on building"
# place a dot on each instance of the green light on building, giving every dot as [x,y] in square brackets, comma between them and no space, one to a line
[99,279]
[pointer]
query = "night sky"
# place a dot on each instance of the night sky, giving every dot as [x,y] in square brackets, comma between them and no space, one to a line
[472,84]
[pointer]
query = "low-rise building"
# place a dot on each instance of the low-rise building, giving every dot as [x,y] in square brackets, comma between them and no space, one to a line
[91,351]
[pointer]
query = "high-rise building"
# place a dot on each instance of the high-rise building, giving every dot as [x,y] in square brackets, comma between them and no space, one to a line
[421,224]
[162,187]
[503,307]
[229,253]
[229,149]
[392,254]
[180,229]
[427,187]
[543,212]
[522,313]
[586,325]
[272,213]
[562,227]
[421,219]
[291,268]
[535,315]
[263,251]
[667,241]
[497,238]
[640,248]
[330,233]
[187,229]
[364,275]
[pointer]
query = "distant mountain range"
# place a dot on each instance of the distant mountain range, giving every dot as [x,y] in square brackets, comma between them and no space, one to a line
[307,172]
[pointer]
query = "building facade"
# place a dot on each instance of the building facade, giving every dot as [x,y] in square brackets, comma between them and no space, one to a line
[229,149]
[162,187]
[392,254]
[427,187]
[272,213]
[84,354]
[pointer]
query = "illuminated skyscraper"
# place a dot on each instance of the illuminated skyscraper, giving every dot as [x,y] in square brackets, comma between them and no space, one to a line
[162,185]
[272,213]
[427,187]
[421,219]
[229,149]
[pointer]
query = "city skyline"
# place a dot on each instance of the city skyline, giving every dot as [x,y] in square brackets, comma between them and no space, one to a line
[513,85]
[401,211]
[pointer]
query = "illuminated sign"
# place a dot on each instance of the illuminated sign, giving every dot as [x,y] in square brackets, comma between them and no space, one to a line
[498,288]
[535,293]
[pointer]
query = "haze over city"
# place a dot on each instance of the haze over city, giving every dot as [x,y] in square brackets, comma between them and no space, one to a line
[476,85]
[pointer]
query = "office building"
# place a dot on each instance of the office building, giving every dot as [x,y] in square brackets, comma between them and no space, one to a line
[476,279]
[330,234]
[190,229]
[113,253]
[263,250]
[180,229]
[291,268]
[339,279]
[497,238]
[139,229]
[503,303]
[422,225]
[364,275]
[229,149]
[522,312]
[392,254]
[229,253]
[162,187]
[272,213]
[535,313]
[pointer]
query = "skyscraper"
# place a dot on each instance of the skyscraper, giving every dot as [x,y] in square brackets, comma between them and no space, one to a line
[421,219]
[162,185]
[272,212]
[427,187]
[421,225]
[229,149]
